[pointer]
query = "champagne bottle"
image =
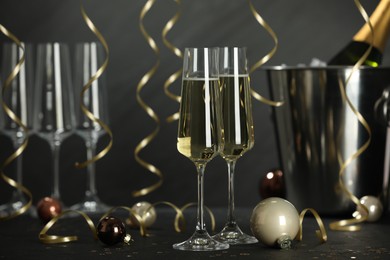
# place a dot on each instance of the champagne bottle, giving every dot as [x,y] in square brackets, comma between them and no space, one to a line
[380,21]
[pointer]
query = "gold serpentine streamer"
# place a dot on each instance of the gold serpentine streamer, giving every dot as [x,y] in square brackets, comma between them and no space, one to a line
[19,122]
[179,215]
[144,80]
[171,79]
[266,58]
[321,233]
[132,213]
[141,218]
[54,239]
[95,77]
[351,224]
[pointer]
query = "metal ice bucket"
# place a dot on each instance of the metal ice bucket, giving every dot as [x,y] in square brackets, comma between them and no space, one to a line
[316,131]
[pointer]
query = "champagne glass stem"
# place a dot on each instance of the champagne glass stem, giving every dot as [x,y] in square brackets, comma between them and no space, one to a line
[19,162]
[91,202]
[200,214]
[232,233]
[91,179]
[19,166]
[200,240]
[55,147]
[17,195]
[17,198]
[231,166]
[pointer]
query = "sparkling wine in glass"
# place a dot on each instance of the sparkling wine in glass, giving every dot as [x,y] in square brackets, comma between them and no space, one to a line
[18,98]
[88,58]
[53,106]
[238,129]
[200,130]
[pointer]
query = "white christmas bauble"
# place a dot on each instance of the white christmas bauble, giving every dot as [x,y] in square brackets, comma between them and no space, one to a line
[374,206]
[145,211]
[275,222]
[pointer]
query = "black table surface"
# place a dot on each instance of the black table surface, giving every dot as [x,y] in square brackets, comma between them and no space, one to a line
[19,240]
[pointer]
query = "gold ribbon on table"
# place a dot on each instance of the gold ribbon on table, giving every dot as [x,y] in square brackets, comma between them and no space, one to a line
[95,77]
[141,218]
[321,233]
[171,79]
[179,215]
[132,213]
[352,224]
[266,58]
[55,239]
[19,122]
[141,84]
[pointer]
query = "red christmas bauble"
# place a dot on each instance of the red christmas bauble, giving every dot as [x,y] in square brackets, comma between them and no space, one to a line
[48,208]
[273,185]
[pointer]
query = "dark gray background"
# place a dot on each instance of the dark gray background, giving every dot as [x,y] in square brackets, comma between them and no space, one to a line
[305,29]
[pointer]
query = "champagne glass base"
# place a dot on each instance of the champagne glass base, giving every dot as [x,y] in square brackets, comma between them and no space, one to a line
[91,204]
[10,207]
[232,234]
[16,203]
[200,241]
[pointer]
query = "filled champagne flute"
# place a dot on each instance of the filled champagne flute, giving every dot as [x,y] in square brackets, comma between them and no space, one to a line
[200,130]
[238,129]
[89,56]
[18,98]
[53,102]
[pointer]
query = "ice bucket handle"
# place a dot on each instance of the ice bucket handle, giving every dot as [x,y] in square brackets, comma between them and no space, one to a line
[382,107]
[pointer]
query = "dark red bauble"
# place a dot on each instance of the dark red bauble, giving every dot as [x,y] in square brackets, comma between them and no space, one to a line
[111,230]
[48,208]
[273,185]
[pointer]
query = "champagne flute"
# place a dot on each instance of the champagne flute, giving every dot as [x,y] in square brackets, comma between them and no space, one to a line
[200,130]
[53,108]
[18,97]
[238,129]
[88,59]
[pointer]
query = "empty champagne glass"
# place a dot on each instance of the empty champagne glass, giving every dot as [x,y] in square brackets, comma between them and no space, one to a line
[200,130]
[238,129]
[88,58]
[18,97]
[53,107]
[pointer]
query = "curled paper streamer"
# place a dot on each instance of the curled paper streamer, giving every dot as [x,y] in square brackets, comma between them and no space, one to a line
[171,79]
[179,216]
[141,84]
[19,122]
[266,58]
[54,239]
[98,73]
[351,224]
[132,213]
[321,233]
